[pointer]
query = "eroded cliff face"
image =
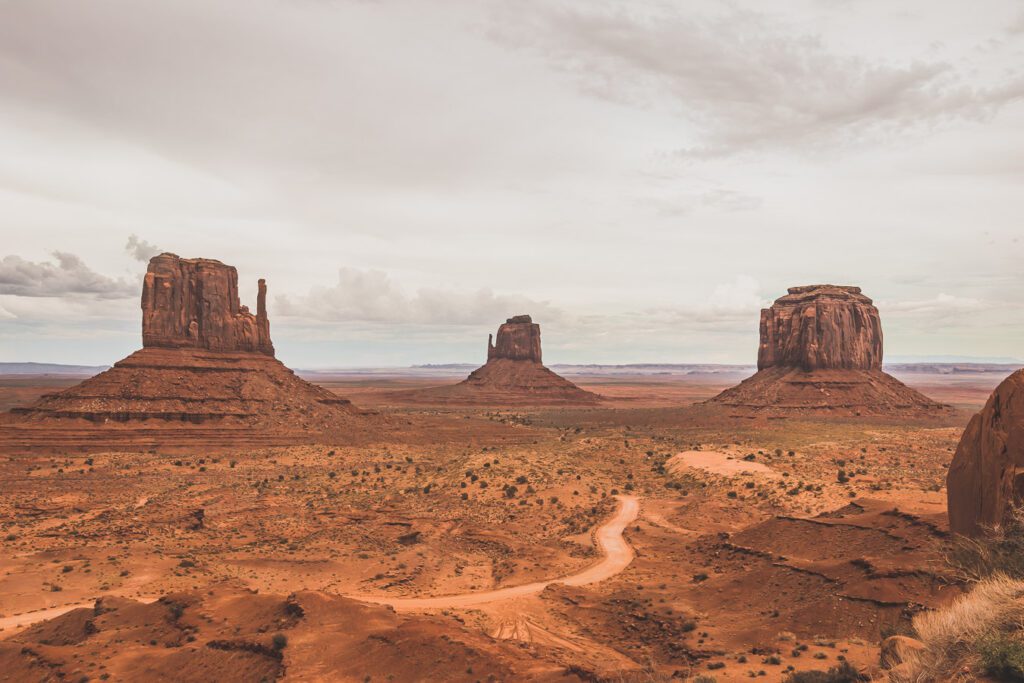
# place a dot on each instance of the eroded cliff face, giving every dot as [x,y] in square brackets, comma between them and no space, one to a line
[986,476]
[518,339]
[193,303]
[821,327]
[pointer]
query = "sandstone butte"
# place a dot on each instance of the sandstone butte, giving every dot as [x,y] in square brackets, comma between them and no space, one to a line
[206,361]
[513,374]
[986,477]
[821,350]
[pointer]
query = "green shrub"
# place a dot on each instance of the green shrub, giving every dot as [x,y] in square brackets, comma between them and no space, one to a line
[1002,657]
[843,673]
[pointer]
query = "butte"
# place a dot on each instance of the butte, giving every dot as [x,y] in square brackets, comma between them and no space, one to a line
[821,352]
[514,374]
[986,478]
[206,372]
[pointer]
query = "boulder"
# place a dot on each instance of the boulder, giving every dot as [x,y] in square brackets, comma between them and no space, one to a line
[986,476]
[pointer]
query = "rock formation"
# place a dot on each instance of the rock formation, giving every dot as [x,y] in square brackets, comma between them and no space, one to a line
[821,350]
[821,327]
[206,360]
[513,374]
[986,476]
[194,303]
[518,339]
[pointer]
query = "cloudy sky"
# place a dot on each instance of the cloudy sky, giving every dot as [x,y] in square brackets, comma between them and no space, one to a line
[641,176]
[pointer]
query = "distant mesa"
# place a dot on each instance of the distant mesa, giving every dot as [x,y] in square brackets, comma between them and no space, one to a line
[206,361]
[821,350]
[518,339]
[514,374]
[986,477]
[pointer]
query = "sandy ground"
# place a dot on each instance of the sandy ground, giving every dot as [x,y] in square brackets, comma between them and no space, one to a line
[715,462]
[616,552]
[761,545]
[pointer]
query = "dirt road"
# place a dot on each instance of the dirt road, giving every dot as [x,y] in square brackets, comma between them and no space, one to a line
[608,537]
[617,556]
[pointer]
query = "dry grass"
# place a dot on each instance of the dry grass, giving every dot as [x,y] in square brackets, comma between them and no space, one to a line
[969,635]
[999,550]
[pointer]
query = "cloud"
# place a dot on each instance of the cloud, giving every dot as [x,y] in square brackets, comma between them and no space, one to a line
[69,276]
[371,296]
[942,306]
[747,79]
[140,249]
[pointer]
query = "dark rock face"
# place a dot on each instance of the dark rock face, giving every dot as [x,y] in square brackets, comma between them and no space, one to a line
[821,327]
[986,476]
[518,339]
[193,303]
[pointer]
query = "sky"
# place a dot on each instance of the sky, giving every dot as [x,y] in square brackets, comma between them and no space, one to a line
[642,177]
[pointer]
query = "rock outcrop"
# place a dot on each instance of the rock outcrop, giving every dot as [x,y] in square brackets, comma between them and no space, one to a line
[821,327]
[194,303]
[207,367]
[986,476]
[513,374]
[518,339]
[821,350]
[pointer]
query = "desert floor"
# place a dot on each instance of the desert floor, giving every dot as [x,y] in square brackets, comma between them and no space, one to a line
[693,542]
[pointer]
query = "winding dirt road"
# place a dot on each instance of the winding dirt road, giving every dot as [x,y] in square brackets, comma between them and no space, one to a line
[608,537]
[617,556]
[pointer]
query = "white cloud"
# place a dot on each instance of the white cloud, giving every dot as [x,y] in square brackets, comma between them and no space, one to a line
[371,296]
[942,306]
[747,78]
[140,249]
[69,276]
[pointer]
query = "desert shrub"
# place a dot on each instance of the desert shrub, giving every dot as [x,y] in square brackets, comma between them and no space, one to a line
[279,641]
[981,631]
[842,673]
[999,550]
[1002,657]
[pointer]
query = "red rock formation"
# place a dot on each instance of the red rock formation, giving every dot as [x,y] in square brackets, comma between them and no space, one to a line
[206,367]
[987,472]
[194,303]
[821,349]
[513,374]
[821,327]
[518,339]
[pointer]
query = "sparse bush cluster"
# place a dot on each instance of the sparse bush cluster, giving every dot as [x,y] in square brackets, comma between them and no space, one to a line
[998,551]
